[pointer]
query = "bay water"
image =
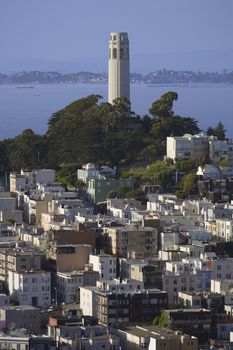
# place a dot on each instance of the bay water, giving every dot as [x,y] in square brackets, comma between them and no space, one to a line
[23,107]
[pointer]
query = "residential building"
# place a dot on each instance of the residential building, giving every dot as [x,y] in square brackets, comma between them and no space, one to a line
[224,229]
[178,277]
[121,301]
[81,333]
[70,257]
[132,241]
[114,309]
[220,149]
[23,316]
[224,326]
[187,147]
[98,189]
[30,288]
[152,337]
[88,171]
[82,235]
[33,208]
[190,300]
[105,265]
[150,275]
[20,340]
[19,260]
[69,283]
[88,296]
[196,322]
[28,179]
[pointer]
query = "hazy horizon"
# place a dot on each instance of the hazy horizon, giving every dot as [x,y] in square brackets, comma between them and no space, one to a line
[164,34]
[193,61]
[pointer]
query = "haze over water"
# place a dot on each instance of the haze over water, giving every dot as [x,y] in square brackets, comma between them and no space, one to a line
[31,108]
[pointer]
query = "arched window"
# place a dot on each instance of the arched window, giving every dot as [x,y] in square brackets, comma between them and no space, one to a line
[109,53]
[114,53]
[121,53]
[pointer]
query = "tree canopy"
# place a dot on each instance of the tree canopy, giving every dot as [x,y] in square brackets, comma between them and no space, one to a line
[90,130]
[217,131]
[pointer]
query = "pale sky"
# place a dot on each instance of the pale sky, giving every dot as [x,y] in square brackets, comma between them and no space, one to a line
[73,34]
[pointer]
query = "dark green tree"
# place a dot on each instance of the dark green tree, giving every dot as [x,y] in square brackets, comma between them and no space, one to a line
[218,131]
[27,151]
[162,108]
[189,183]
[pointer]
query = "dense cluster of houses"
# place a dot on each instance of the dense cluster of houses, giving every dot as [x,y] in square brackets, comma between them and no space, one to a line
[132,276]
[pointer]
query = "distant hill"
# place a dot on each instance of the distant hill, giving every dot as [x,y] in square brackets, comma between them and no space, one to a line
[157,77]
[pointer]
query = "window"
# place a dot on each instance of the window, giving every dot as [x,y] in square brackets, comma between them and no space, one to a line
[121,53]
[114,53]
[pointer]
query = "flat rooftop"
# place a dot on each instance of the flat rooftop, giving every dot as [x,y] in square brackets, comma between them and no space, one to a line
[151,331]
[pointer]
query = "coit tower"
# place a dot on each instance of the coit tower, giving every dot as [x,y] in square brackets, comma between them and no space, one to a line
[118,67]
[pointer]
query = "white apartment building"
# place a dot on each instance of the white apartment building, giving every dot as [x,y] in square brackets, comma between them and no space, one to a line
[88,172]
[178,277]
[105,265]
[224,229]
[30,288]
[187,146]
[88,297]
[222,269]
[220,149]
[28,179]
[69,283]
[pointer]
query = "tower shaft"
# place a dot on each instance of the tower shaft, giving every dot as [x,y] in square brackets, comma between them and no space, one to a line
[118,67]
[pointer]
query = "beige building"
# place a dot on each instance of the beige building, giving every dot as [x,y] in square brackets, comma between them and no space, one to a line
[70,257]
[118,67]
[39,241]
[132,241]
[33,209]
[18,261]
[190,300]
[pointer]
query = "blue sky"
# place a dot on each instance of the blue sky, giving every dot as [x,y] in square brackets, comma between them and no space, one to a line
[73,34]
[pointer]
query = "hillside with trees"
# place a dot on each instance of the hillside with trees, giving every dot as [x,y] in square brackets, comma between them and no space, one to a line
[90,130]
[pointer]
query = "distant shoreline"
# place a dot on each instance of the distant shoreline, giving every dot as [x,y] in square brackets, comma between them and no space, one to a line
[161,77]
[32,85]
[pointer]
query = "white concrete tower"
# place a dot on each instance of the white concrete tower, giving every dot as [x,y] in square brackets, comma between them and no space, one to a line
[118,67]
